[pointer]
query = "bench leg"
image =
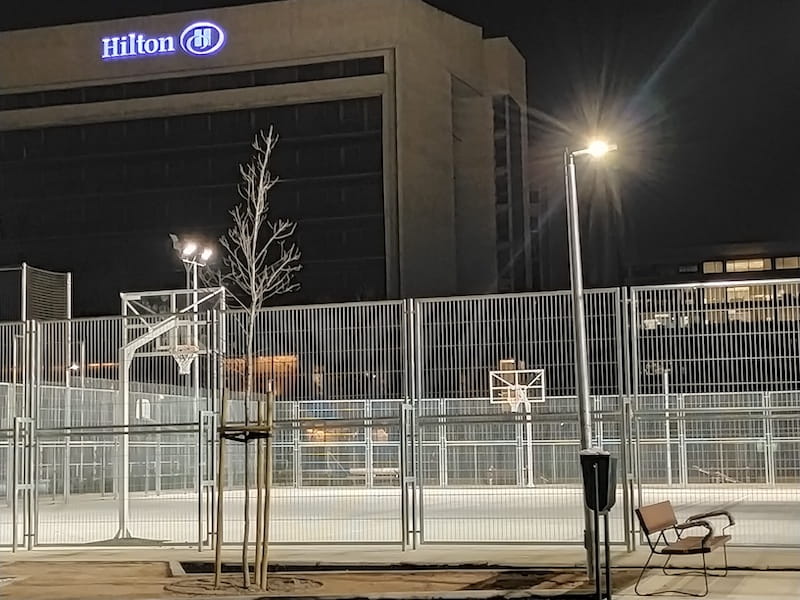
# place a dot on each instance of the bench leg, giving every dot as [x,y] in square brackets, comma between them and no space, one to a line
[639,579]
[664,569]
[724,564]
[711,572]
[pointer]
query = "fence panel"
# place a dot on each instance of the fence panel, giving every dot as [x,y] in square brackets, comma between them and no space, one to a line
[716,369]
[478,482]
[332,368]
[83,497]
[11,394]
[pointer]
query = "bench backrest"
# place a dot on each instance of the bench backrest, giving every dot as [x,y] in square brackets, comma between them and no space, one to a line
[656,517]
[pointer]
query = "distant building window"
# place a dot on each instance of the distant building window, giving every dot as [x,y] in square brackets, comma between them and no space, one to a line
[688,269]
[746,265]
[761,293]
[787,262]
[712,266]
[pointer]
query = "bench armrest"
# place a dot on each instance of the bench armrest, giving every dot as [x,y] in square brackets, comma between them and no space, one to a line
[713,513]
[698,523]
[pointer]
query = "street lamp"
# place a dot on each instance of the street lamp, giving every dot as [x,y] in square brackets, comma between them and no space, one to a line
[596,149]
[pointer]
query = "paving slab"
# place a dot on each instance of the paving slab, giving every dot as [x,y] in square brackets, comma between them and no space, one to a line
[144,573]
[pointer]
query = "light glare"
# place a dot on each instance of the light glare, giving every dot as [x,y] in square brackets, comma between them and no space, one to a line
[207,252]
[598,148]
[189,248]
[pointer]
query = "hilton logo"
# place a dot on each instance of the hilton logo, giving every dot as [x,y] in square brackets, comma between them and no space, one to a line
[198,39]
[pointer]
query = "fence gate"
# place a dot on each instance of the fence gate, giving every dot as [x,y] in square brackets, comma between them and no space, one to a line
[490,475]
[17,435]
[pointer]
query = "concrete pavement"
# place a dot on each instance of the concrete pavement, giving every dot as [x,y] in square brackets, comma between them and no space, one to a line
[768,574]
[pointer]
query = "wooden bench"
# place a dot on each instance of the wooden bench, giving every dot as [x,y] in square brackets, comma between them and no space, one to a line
[657,519]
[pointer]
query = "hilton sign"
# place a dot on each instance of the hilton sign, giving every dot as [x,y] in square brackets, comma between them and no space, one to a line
[198,39]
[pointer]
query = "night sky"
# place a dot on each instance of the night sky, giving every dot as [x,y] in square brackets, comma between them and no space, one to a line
[702,97]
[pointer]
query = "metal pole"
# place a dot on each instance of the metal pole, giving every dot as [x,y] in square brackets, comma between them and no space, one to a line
[579,310]
[529,445]
[14,479]
[67,414]
[667,437]
[623,372]
[579,323]
[199,486]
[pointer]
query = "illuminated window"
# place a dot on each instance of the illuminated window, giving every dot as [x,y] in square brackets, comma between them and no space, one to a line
[791,313]
[787,262]
[745,265]
[712,266]
[760,293]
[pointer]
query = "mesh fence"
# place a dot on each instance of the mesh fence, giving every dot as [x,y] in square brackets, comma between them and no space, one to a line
[344,377]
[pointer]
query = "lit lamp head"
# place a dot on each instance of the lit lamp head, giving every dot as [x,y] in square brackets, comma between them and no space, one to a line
[189,249]
[597,149]
[206,254]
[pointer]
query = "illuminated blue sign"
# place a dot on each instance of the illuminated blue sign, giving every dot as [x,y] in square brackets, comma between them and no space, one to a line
[198,39]
[202,39]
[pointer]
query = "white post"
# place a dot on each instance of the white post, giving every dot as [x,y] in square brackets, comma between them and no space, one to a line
[67,422]
[123,456]
[529,447]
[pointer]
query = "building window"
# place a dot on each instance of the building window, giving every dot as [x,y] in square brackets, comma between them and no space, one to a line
[198,83]
[787,262]
[687,269]
[760,293]
[746,265]
[712,266]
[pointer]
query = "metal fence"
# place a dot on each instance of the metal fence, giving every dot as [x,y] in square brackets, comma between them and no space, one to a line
[715,379]
[385,429]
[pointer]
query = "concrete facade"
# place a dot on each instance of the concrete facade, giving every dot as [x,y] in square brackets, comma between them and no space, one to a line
[437,89]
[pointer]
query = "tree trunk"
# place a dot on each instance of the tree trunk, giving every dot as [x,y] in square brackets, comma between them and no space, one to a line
[247,403]
[220,494]
[259,498]
[268,487]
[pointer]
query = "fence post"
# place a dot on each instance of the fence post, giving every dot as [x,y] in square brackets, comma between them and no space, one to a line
[667,432]
[637,432]
[369,431]
[769,455]
[33,443]
[200,479]
[682,457]
[14,481]
[622,334]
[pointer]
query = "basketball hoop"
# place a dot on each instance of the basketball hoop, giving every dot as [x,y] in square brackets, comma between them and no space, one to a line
[184,356]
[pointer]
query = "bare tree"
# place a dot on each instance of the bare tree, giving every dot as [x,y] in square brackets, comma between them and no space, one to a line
[260,262]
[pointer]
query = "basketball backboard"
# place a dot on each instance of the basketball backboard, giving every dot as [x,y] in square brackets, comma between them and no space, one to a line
[516,387]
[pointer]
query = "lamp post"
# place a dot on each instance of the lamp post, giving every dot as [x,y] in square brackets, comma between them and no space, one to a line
[596,149]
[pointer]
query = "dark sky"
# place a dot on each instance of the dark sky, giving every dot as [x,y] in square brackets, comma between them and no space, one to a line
[703,98]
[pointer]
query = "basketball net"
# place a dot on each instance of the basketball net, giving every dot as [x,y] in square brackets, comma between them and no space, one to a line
[520,397]
[184,356]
